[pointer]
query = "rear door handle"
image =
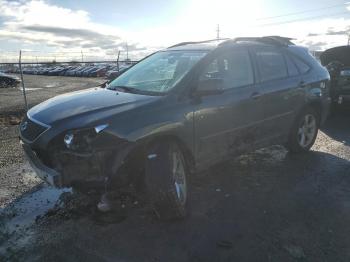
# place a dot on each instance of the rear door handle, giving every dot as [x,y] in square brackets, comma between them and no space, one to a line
[256,95]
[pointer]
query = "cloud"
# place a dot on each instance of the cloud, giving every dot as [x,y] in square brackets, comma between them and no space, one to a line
[331,31]
[66,32]
[84,38]
[318,45]
[41,24]
[312,34]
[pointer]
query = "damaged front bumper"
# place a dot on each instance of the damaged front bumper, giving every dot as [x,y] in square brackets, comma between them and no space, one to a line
[67,169]
[47,174]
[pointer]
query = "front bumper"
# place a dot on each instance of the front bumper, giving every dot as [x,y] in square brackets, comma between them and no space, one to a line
[47,174]
[66,169]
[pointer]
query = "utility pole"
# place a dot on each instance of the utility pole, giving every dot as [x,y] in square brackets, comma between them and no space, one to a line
[218,31]
[118,60]
[82,56]
[127,52]
[348,40]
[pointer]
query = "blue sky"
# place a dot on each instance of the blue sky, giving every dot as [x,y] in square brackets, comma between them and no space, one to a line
[101,28]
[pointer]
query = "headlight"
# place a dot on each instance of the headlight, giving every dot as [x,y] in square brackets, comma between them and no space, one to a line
[81,139]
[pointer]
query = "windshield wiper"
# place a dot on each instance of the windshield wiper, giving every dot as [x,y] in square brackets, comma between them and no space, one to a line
[127,89]
[132,90]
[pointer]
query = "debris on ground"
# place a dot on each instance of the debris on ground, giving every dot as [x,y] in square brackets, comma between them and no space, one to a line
[296,252]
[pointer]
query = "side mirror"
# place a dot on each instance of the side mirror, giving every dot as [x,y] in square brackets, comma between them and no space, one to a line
[104,85]
[209,87]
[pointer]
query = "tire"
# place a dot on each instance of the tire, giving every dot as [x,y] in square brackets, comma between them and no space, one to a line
[304,131]
[167,183]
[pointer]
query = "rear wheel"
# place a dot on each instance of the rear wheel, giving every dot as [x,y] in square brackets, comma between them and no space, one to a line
[166,180]
[304,131]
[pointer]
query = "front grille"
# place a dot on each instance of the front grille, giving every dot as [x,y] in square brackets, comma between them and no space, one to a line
[30,130]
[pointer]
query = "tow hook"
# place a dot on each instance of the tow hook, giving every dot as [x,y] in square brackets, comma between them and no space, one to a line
[105,204]
[340,100]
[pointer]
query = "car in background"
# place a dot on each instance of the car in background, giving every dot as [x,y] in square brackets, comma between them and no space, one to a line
[86,73]
[71,71]
[56,71]
[8,80]
[176,112]
[114,73]
[100,71]
[337,61]
[110,71]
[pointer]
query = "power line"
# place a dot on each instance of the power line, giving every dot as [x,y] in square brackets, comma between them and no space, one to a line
[302,19]
[301,12]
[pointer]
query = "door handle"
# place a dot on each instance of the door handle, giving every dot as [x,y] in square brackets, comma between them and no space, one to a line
[302,84]
[256,95]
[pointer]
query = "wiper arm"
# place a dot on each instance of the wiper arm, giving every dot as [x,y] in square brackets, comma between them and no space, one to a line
[124,88]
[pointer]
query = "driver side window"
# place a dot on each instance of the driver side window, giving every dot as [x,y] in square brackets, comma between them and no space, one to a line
[234,68]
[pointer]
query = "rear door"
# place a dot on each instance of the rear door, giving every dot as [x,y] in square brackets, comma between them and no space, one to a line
[280,82]
[228,123]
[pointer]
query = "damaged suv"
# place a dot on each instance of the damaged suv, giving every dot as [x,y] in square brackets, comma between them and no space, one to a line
[176,112]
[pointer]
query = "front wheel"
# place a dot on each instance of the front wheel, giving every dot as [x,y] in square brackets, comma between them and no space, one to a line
[166,180]
[304,131]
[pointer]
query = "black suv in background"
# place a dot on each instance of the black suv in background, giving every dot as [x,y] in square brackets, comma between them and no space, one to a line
[337,61]
[178,111]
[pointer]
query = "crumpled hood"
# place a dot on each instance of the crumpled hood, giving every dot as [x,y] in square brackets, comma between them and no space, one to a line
[81,103]
[339,53]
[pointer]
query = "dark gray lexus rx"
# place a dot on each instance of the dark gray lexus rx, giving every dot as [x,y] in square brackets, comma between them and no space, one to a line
[178,111]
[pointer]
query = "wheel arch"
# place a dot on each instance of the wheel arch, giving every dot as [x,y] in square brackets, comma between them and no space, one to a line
[188,155]
[315,105]
[136,157]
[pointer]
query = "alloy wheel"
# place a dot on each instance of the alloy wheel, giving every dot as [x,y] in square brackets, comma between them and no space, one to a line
[179,177]
[307,130]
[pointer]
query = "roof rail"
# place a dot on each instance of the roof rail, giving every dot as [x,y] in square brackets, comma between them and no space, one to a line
[198,42]
[272,40]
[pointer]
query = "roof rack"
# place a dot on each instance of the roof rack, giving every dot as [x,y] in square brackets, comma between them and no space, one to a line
[272,40]
[199,42]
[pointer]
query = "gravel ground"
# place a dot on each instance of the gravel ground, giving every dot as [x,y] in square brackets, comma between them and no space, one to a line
[265,206]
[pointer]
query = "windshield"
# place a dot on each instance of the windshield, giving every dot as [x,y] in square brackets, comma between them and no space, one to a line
[158,73]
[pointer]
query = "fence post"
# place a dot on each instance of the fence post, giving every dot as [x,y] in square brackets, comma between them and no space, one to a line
[118,60]
[23,87]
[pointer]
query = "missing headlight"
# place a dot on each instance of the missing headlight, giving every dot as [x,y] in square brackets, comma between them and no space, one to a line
[81,139]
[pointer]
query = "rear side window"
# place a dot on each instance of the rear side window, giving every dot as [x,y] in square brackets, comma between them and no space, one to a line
[292,69]
[271,64]
[233,67]
[303,67]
